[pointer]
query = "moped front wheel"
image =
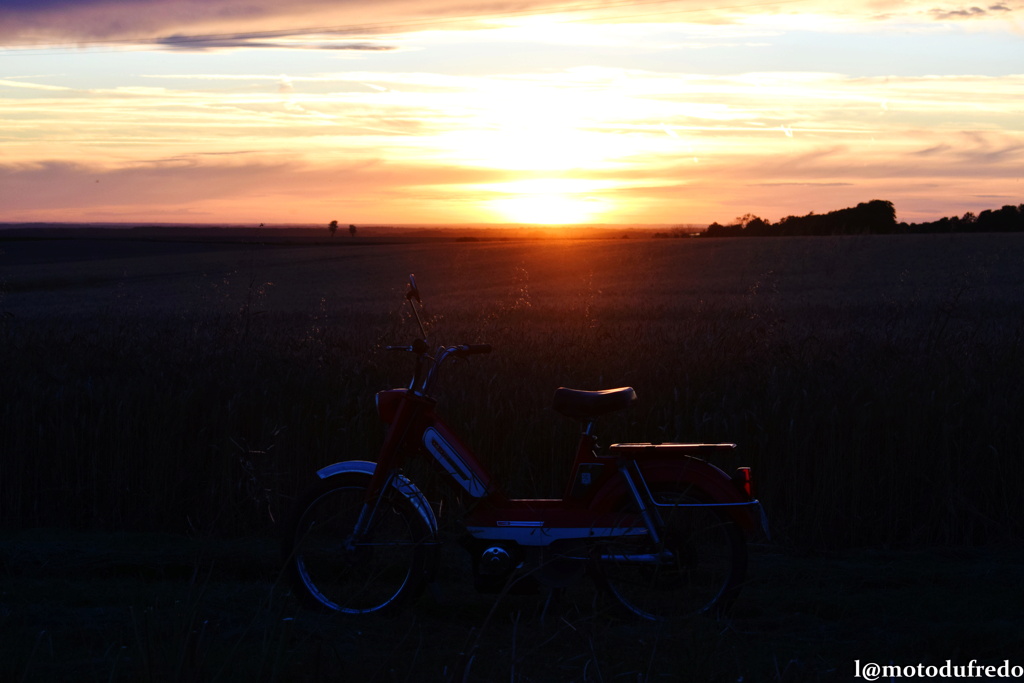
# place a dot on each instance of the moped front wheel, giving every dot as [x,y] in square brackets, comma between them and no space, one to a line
[330,568]
[696,566]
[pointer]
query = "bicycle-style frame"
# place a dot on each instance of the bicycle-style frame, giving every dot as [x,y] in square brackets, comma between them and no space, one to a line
[656,526]
[603,482]
[591,504]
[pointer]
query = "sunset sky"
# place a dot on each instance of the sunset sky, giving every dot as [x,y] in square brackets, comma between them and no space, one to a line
[426,112]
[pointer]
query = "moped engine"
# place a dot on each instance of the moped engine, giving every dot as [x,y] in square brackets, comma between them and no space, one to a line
[493,566]
[495,561]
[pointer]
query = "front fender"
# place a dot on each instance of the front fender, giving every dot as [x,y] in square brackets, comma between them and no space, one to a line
[710,481]
[401,483]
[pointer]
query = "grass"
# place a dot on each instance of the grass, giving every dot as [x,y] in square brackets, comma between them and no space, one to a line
[874,384]
[145,607]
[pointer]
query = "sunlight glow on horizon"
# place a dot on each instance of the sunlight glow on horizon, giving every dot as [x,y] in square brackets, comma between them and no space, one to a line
[548,201]
[541,209]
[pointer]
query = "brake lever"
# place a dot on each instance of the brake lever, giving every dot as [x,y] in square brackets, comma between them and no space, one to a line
[419,346]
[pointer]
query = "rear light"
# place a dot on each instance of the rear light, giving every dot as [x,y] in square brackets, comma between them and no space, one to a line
[744,482]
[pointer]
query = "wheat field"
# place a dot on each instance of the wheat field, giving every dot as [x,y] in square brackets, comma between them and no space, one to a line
[164,401]
[874,383]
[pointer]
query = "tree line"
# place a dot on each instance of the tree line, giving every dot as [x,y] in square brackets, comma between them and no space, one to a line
[877,217]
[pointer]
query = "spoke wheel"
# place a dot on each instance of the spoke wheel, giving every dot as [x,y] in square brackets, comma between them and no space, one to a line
[696,568]
[332,570]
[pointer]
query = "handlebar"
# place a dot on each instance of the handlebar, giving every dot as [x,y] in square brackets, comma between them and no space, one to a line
[460,351]
[420,348]
[432,364]
[471,349]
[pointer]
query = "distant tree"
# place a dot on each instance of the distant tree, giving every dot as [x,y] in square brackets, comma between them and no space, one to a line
[352,230]
[877,217]
[333,227]
[673,233]
[1007,219]
[718,230]
[757,226]
[874,217]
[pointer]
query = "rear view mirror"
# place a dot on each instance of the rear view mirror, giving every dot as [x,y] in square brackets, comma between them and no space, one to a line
[414,293]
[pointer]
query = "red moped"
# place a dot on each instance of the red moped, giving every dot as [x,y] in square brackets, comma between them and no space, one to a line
[655,526]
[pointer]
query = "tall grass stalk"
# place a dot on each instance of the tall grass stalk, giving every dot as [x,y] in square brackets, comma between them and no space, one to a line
[875,390]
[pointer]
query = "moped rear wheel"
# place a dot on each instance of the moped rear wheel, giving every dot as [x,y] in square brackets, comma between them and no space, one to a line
[697,566]
[332,570]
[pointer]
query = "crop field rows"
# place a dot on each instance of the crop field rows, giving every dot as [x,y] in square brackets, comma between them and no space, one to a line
[873,383]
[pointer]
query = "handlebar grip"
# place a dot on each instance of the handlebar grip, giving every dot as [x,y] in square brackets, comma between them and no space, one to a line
[418,346]
[473,349]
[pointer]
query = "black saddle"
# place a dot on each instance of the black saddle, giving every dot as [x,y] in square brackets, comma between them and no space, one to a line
[589,405]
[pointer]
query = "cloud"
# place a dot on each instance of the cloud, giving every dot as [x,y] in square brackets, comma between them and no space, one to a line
[237,187]
[805,184]
[199,24]
[27,85]
[259,41]
[934,150]
[300,137]
[222,24]
[182,180]
[973,12]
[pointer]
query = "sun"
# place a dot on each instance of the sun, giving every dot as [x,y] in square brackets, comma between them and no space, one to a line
[550,144]
[546,201]
[551,209]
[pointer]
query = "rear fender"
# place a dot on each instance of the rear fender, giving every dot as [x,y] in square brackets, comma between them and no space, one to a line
[715,484]
[401,483]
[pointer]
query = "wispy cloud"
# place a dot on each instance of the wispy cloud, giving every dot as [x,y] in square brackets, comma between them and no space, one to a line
[223,24]
[192,24]
[259,41]
[972,12]
[422,144]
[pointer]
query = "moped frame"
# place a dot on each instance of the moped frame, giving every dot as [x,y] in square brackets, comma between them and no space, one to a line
[603,483]
[618,514]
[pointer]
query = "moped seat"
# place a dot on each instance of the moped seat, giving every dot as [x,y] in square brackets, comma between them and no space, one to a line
[588,405]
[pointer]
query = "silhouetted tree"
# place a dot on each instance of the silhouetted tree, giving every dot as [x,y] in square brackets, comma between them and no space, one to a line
[1007,219]
[352,230]
[877,217]
[333,227]
[718,230]
[757,226]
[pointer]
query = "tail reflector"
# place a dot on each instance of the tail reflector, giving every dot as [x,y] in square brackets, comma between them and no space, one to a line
[744,481]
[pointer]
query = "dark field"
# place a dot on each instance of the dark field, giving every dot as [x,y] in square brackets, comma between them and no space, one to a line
[163,401]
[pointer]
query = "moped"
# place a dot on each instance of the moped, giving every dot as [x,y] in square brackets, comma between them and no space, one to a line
[659,529]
